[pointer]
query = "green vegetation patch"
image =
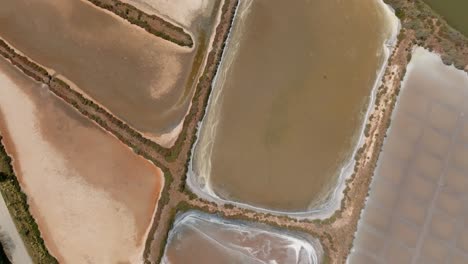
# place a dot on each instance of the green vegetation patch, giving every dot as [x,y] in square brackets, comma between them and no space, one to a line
[427,23]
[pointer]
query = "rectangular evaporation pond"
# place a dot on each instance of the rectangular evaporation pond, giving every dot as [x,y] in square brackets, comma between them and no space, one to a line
[203,238]
[142,79]
[92,197]
[289,100]
[416,212]
[453,11]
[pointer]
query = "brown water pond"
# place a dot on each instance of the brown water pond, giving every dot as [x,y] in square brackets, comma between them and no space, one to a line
[144,80]
[289,101]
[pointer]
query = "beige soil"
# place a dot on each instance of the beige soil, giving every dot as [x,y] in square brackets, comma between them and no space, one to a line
[92,198]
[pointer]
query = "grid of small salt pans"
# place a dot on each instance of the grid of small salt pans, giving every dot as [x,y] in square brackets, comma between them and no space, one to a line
[417,210]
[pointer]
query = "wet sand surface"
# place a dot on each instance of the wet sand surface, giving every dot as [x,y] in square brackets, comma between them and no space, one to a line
[203,238]
[91,196]
[10,238]
[142,79]
[289,100]
[417,211]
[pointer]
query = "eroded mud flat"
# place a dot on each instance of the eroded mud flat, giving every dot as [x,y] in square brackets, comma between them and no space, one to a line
[142,79]
[289,101]
[203,238]
[416,211]
[92,197]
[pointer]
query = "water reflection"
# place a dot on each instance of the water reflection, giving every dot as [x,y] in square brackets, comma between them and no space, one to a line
[416,209]
[202,238]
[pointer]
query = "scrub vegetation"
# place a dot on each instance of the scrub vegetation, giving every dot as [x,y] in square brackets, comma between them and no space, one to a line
[153,24]
[432,31]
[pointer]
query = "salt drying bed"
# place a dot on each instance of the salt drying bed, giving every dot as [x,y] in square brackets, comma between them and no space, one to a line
[417,211]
